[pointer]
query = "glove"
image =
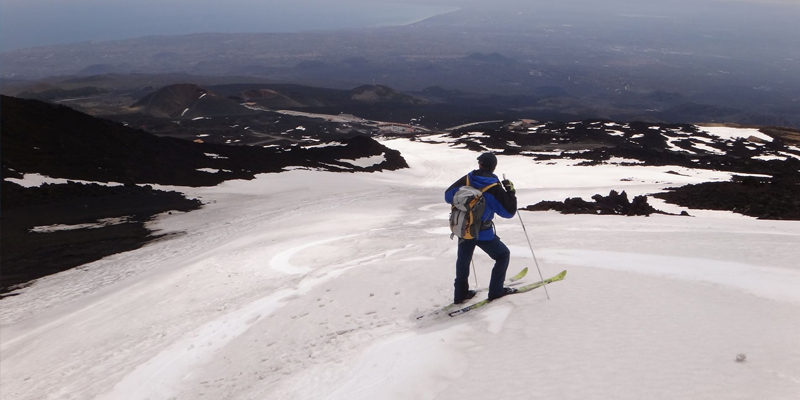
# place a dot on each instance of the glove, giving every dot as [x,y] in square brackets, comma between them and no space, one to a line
[508,185]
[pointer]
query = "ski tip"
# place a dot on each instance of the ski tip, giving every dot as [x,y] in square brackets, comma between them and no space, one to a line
[520,275]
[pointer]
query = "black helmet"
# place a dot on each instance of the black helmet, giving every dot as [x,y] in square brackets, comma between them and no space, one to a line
[487,161]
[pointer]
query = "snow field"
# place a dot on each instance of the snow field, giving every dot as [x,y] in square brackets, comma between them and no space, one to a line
[306,285]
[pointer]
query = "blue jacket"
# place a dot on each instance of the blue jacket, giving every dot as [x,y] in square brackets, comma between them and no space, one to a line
[498,200]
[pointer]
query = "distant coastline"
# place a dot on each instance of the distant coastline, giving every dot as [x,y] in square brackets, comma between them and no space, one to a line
[24,26]
[416,20]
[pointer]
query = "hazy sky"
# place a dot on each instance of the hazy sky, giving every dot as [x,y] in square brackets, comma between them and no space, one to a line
[28,23]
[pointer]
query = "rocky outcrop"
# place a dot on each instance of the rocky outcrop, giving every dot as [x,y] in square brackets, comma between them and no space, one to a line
[763,198]
[186,101]
[59,142]
[613,204]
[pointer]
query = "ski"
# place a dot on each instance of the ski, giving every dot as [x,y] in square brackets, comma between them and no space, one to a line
[450,306]
[523,289]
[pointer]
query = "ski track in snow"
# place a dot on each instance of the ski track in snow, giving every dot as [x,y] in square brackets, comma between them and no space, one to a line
[159,377]
[281,261]
[277,292]
[767,282]
[408,366]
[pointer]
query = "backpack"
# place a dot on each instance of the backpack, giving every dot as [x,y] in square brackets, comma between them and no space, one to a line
[466,211]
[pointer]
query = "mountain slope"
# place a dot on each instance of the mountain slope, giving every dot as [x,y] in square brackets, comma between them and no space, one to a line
[383,94]
[186,101]
[306,285]
[59,142]
[49,228]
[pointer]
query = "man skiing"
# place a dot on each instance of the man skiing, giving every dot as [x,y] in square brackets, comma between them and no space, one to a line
[500,201]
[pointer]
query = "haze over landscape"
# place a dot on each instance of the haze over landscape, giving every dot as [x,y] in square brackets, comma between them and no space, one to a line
[42,22]
[685,61]
[244,199]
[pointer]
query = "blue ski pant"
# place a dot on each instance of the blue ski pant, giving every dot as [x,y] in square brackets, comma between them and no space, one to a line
[496,250]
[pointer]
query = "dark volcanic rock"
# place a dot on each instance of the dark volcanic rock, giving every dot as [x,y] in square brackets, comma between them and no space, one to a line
[58,93]
[383,94]
[598,141]
[187,101]
[755,197]
[59,142]
[613,204]
[29,255]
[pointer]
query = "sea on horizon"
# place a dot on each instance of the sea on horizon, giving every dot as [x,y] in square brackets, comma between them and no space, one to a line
[33,23]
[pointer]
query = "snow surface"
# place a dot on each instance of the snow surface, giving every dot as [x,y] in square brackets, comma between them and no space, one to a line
[307,285]
[770,157]
[328,144]
[36,180]
[366,162]
[708,149]
[727,133]
[99,224]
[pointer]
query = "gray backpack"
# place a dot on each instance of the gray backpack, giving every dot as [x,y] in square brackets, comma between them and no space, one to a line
[466,211]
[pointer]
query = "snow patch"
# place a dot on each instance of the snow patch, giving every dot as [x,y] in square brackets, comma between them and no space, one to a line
[99,224]
[727,133]
[767,282]
[439,231]
[423,361]
[421,258]
[36,180]
[496,318]
[707,148]
[282,263]
[156,378]
[366,162]
[329,144]
[621,160]
[673,147]
[769,157]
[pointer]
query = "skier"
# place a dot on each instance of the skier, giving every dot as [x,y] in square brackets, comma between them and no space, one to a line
[500,201]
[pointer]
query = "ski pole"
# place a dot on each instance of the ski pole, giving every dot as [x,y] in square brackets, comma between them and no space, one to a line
[532,253]
[474,273]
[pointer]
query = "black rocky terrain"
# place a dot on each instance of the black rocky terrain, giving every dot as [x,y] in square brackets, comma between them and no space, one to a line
[755,197]
[594,142]
[613,204]
[31,250]
[59,142]
[598,141]
[186,101]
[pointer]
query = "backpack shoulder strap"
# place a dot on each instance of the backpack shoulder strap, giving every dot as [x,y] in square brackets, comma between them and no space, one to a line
[484,189]
[488,187]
